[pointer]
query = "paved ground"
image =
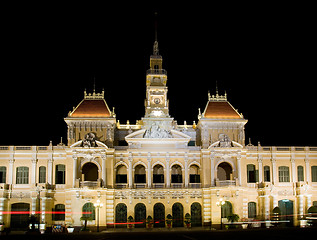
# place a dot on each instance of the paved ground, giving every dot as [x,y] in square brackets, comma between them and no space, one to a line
[184,234]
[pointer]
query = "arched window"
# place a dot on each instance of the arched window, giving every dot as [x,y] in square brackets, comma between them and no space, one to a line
[42,174]
[283,174]
[139,174]
[22,176]
[300,173]
[3,174]
[89,211]
[90,172]
[158,174]
[60,174]
[177,174]
[224,171]
[194,174]
[121,174]
[252,173]
[267,174]
[251,210]
[59,212]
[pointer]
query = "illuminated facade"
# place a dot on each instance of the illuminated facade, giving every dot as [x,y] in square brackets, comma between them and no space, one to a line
[154,168]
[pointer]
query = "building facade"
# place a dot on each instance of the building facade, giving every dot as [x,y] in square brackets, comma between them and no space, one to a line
[154,168]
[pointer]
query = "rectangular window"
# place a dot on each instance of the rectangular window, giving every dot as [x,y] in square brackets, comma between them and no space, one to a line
[267,177]
[314,173]
[22,175]
[251,173]
[3,171]
[60,174]
[283,174]
[42,174]
[300,173]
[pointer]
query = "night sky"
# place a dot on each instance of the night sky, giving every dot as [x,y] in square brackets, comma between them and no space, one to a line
[263,56]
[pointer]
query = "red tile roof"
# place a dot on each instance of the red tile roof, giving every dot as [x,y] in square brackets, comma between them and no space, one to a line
[220,110]
[93,108]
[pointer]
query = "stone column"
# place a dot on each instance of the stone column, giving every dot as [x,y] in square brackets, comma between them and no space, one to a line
[168,176]
[50,171]
[74,170]
[186,170]
[10,177]
[212,169]
[260,162]
[293,169]
[130,170]
[103,169]
[149,171]
[274,172]
[239,169]
[307,170]
[33,171]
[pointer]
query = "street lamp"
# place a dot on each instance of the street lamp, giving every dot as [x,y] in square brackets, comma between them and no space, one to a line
[220,203]
[98,205]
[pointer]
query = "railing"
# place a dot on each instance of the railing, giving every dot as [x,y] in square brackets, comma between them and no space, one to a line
[158,185]
[223,183]
[90,184]
[156,71]
[121,185]
[140,185]
[176,185]
[194,185]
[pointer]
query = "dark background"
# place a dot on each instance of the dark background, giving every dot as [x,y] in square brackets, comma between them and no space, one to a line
[263,56]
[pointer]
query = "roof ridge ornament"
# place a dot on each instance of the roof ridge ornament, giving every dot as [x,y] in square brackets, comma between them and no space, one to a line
[217,97]
[94,95]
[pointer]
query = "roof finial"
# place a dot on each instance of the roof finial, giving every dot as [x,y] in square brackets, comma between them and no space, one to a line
[155,46]
[217,88]
[94,84]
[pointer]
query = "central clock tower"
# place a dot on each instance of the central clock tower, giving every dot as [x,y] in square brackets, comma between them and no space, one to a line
[156,103]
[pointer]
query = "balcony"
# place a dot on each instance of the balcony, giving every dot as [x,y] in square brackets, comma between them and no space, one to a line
[225,183]
[90,184]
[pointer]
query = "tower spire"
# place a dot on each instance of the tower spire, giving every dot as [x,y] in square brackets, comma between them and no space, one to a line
[155,45]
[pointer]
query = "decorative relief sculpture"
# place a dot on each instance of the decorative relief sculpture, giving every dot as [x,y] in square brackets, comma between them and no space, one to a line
[156,132]
[89,140]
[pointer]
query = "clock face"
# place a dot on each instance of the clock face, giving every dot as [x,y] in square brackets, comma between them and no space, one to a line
[157,100]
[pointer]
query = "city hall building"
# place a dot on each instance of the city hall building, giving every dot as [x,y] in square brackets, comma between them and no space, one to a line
[154,168]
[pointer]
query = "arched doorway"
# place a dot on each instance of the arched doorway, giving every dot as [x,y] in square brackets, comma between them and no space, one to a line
[90,172]
[224,171]
[159,215]
[195,211]
[226,209]
[20,215]
[121,215]
[178,215]
[287,211]
[140,215]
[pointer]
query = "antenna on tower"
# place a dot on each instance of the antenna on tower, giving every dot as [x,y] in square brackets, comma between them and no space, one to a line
[217,88]
[94,84]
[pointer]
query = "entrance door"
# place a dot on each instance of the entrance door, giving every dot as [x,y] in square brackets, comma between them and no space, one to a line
[178,215]
[159,215]
[20,215]
[286,207]
[121,215]
[140,215]
[195,210]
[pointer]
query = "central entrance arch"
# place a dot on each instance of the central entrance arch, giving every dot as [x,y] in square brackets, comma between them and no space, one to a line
[159,215]
[140,215]
[178,215]
[90,172]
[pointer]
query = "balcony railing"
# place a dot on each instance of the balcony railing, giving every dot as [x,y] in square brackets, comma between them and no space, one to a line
[156,71]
